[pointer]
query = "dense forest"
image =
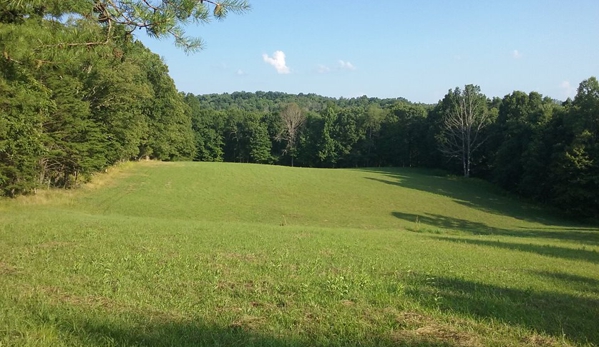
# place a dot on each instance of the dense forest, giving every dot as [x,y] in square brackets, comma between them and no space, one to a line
[76,98]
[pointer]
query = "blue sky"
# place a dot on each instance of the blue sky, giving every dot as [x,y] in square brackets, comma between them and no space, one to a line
[393,48]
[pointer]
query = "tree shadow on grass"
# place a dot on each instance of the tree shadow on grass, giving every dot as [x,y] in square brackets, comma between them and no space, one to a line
[473,193]
[102,329]
[448,223]
[578,283]
[545,250]
[478,228]
[555,314]
[173,333]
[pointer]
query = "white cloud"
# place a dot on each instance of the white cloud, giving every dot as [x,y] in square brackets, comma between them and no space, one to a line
[516,54]
[346,65]
[341,65]
[568,91]
[241,72]
[277,61]
[323,69]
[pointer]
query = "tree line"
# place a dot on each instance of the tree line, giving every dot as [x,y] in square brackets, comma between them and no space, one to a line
[78,93]
[531,145]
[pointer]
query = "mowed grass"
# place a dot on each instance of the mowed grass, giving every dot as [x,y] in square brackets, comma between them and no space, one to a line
[213,254]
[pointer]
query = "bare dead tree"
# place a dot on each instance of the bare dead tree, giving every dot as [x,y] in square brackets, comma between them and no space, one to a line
[293,120]
[466,115]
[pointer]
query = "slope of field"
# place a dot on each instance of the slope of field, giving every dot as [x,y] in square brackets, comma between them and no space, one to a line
[192,254]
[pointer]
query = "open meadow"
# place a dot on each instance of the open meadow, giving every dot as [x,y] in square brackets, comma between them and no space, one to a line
[215,254]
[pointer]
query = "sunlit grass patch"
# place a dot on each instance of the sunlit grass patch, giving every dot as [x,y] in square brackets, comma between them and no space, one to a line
[228,254]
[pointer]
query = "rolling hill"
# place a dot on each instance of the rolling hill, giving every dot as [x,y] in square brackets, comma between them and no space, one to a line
[238,254]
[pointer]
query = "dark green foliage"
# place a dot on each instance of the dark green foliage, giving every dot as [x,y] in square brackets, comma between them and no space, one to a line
[326,145]
[72,141]
[402,141]
[346,132]
[207,131]
[518,123]
[169,118]
[576,162]
[259,142]
[69,111]
[23,105]
[310,140]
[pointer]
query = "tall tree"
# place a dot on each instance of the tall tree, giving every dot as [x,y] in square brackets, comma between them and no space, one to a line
[576,168]
[404,134]
[207,127]
[372,122]
[23,105]
[347,132]
[465,117]
[259,141]
[169,117]
[519,124]
[293,119]
[327,144]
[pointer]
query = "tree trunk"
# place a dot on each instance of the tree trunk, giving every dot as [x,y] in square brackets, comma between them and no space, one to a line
[467,174]
[464,166]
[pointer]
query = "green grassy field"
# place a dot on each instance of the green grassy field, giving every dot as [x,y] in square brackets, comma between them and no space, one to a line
[213,254]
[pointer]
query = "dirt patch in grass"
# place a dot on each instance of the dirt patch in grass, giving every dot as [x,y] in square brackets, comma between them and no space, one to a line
[412,319]
[46,196]
[540,341]
[437,332]
[419,328]
[7,269]
[347,303]
[58,296]
[110,176]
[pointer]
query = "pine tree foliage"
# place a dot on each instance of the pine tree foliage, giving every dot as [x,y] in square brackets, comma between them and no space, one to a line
[23,105]
[159,18]
[70,110]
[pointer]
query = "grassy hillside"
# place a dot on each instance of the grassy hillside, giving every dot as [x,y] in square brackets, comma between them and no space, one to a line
[233,254]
